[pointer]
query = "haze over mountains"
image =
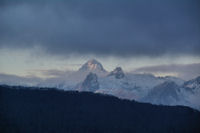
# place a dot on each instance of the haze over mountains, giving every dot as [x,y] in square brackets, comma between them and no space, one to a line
[141,87]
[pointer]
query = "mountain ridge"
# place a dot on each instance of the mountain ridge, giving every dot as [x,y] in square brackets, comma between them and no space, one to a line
[123,85]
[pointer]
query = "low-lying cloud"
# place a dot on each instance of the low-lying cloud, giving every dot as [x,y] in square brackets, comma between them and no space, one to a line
[186,71]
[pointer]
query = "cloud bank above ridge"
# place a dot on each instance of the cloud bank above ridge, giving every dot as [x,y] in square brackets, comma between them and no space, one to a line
[118,28]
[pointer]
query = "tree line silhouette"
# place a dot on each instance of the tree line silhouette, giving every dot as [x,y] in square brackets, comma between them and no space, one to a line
[47,110]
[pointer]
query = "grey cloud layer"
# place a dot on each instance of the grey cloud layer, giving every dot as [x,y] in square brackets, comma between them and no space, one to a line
[187,71]
[139,27]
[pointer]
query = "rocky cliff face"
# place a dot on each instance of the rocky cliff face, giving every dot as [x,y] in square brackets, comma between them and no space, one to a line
[90,83]
[117,72]
[165,93]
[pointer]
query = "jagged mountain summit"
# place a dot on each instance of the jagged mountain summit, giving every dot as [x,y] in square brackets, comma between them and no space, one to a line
[117,72]
[92,66]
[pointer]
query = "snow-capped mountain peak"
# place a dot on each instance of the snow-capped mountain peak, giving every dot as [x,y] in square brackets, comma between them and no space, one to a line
[92,65]
[117,72]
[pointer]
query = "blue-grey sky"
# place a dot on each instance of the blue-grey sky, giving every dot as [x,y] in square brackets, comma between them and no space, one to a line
[58,34]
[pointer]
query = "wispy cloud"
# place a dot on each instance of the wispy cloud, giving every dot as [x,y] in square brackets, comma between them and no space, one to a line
[54,73]
[19,80]
[184,71]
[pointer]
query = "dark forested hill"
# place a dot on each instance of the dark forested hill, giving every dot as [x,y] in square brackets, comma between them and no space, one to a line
[28,110]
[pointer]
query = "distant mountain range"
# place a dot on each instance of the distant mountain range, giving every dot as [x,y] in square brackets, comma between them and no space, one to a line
[141,87]
[48,110]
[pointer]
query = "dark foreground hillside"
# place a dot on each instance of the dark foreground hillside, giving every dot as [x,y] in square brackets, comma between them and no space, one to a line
[24,110]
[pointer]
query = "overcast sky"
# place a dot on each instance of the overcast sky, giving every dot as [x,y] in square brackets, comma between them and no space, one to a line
[49,34]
